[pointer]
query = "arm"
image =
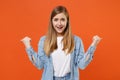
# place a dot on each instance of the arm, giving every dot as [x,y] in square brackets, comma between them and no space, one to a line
[84,58]
[36,58]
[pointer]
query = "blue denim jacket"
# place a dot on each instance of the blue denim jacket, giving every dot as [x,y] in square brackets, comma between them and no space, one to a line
[78,57]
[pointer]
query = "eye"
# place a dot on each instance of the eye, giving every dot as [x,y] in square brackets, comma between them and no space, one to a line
[55,19]
[63,19]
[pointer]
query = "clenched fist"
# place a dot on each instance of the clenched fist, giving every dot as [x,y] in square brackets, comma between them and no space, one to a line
[26,41]
[96,40]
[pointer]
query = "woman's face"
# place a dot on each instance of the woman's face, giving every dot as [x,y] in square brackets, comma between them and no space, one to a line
[59,23]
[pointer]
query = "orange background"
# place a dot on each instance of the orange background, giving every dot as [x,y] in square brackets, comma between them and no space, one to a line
[20,18]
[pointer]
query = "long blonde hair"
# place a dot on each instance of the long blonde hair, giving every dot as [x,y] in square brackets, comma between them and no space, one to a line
[50,43]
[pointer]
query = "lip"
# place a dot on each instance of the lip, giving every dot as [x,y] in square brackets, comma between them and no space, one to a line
[59,27]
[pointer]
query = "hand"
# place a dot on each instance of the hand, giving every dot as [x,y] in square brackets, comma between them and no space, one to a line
[96,40]
[26,41]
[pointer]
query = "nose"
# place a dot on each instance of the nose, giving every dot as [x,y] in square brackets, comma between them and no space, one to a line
[59,22]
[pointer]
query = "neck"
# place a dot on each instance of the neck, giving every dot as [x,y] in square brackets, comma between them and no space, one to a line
[59,35]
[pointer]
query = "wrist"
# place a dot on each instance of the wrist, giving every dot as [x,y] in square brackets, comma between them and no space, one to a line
[94,43]
[27,45]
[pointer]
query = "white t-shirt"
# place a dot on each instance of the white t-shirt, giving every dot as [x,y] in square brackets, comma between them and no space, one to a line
[61,60]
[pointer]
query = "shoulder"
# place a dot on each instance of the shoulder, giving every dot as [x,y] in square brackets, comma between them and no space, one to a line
[77,38]
[41,40]
[77,41]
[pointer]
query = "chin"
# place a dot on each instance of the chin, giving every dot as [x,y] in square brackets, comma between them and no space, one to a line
[60,32]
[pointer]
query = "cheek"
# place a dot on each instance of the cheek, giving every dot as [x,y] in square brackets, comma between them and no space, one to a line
[64,23]
[54,23]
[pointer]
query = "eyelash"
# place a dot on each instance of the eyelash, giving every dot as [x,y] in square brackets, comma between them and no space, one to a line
[55,19]
[61,19]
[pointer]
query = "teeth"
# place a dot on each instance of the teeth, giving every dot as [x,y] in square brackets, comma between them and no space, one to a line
[59,27]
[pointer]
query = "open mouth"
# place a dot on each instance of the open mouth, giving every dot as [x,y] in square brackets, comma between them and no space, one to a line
[59,27]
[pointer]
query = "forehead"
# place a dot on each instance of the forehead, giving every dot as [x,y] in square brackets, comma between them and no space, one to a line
[60,15]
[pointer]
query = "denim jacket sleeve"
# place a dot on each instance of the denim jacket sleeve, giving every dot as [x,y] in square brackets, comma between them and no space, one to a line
[81,55]
[38,59]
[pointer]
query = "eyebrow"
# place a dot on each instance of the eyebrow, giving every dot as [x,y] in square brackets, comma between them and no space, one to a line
[57,18]
[62,18]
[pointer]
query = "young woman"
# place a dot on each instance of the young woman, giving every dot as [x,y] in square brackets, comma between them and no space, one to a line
[60,53]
